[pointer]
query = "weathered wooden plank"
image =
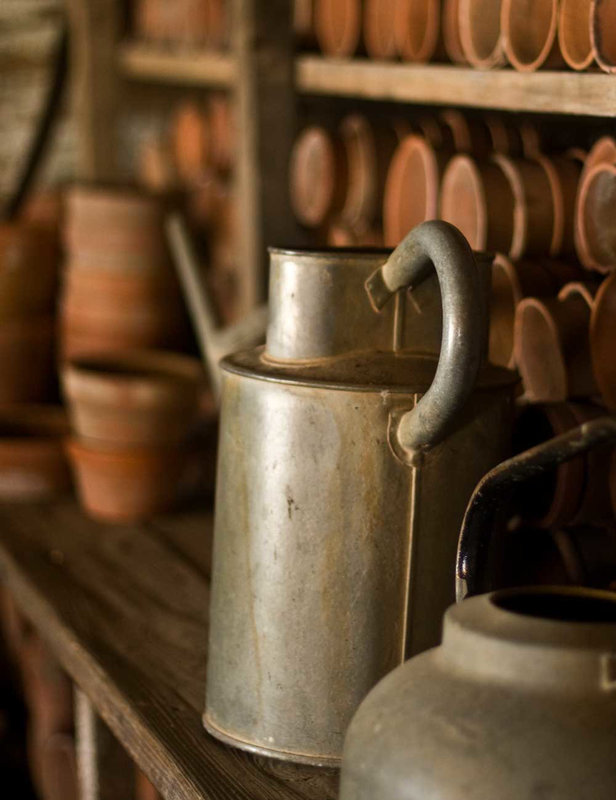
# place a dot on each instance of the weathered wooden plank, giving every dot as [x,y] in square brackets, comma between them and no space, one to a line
[590,93]
[127,618]
[147,63]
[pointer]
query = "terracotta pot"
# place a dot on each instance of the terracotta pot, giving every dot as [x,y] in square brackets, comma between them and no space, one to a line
[26,359]
[217,23]
[417,28]
[28,270]
[144,19]
[603,339]
[451,32]
[338,26]
[595,228]
[477,198]
[534,217]
[340,234]
[59,768]
[529,29]
[470,136]
[602,152]
[317,176]
[155,167]
[603,33]
[511,283]
[505,136]
[191,24]
[142,398]
[412,188]
[126,485]
[552,346]
[191,142]
[144,789]
[221,124]
[564,177]
[368,150]
[380,29]
[574,33]
[480,33]
[32,462]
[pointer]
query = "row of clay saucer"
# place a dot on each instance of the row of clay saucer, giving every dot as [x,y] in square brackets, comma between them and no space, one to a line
[482,33]
[185,24]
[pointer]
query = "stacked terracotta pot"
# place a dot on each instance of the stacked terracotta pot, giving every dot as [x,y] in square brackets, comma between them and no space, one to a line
[119,290]
[186,24]
[544,34]
[132,414]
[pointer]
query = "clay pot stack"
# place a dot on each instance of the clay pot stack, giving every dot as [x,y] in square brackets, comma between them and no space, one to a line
[131,416]
[119,289]
[183,24]
[28,279]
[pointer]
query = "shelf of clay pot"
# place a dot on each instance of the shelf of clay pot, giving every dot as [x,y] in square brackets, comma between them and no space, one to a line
[590,93]
[147,63]
[125,611]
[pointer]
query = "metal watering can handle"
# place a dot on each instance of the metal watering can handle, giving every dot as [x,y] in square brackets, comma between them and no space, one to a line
[473,574]
[440,246]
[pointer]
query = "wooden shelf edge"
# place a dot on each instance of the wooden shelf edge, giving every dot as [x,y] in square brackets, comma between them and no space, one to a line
[146,63]
[589,94]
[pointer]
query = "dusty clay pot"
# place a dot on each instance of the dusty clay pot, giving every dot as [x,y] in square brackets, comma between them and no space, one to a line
[412,188]
[417,28]
[26,359]
[511,283]
[595,229]
[477,198]
[28,270]
[552,345]
[574,33]
[142,398]
[529,29]
[380,29]
[126,485]
[603,33]
[480,33]
[603,340]
[317,176]
[534,216]
[32,461]
[191,142]
[451,32]
[338,26]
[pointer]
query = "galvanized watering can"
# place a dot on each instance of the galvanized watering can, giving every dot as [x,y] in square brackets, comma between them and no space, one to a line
[349,448]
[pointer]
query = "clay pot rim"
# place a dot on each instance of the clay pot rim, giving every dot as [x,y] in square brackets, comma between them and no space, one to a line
[135,369]
[540,307]
[558,204]
[520,210]
[496,58]
[598,310]
[579,289]
[473,176]
[353,131]
[571,61]
[112,454]
[595,37]
[505,264]
[351,37]
[583,247]
[327,188]
[548,45]
[131,197]
[431,32]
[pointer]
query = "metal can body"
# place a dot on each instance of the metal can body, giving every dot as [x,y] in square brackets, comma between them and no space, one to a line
[333,560]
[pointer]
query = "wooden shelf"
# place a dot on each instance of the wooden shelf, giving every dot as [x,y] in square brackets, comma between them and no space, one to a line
[125,611]
[147,63]
[592,93]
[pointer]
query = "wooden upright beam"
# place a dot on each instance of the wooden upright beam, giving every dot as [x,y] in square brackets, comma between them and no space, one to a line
[263,46]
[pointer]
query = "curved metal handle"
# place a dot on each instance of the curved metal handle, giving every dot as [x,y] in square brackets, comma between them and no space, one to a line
[494,492]
[441,246]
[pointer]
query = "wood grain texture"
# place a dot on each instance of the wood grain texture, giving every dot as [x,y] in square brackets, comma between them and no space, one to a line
[125,610]
[590,93]
[147,63]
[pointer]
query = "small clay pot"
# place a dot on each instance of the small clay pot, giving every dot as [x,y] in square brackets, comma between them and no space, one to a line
[534,217]
[603,33]
[26,359]
[380,29]
[338,26]
[417,28]
[477,198]
[28,270]
[470,136]
[574,33]
[191,142]
[412,188]
[505,137]
[340,234]
[451,32]
[480,33]
[317,176]
[221,125]
[552,346]
[511,283]
[142,398]
[126,485]
[564,177]
[32,461]
[595,233]
[529,29]
[603,340]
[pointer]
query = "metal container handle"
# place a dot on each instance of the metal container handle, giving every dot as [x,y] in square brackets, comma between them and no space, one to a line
[440,246]
[490,498]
